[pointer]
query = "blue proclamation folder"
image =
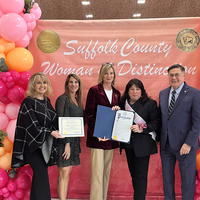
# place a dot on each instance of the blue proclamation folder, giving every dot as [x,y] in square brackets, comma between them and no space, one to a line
[104,122]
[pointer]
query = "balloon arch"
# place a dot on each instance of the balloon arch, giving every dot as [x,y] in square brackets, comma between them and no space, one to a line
[18,19]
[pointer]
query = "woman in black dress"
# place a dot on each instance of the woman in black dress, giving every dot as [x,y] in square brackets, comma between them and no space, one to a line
[35,129]
[68,104]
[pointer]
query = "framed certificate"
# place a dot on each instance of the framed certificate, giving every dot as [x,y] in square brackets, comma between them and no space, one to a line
[71,126]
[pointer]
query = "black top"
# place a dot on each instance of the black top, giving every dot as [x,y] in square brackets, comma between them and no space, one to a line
[36,120]
[142,143]
[65,108]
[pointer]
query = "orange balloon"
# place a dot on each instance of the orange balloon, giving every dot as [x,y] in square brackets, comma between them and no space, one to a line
[7,144]
[2,151]
[19,59]
[5,161]
[7,45]
[2,41]
[198,160]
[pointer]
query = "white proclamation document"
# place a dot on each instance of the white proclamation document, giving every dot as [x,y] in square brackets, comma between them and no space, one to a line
[122,125]
[71,126]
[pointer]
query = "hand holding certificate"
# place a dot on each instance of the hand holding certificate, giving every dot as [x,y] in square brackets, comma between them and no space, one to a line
[71,126]
[113,124]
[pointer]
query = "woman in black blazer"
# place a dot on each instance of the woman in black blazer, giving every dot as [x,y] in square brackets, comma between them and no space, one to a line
[143,138]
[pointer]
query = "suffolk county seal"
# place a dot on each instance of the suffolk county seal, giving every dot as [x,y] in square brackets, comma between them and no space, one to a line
[187,40]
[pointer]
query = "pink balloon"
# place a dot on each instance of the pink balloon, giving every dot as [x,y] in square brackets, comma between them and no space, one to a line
[2,107]
[11,197]
[6,195]
[198,174]
[5,190]
[6,76]
[31,25]
[3,178]
[30,34]
[8,79]
[4,100]
[12,110]
[24,78]
[1,13]
[36,11]
[23,181]
[195,197]
[15,75]
[27,196]
[3,89]
[10,130]
[10,84]
[4,121]
[197,191]
[19,193]
[16,94]
[12,27]
[29,17]
[11,185]
[26,170]
[24,42]
[12,6]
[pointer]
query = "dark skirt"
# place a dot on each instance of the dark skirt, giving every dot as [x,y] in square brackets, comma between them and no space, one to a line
[74,157]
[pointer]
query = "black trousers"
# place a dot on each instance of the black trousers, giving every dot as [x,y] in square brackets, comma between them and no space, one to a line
[138,167]
[40,189]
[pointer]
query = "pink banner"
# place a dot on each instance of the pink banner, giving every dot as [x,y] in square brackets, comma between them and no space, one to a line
[139,49]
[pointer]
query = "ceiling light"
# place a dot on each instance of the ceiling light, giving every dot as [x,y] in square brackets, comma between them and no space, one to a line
[136,14]
[141,1]
[85,3]
[89,16]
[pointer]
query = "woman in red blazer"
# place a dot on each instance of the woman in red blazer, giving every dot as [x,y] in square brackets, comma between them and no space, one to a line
[101,149]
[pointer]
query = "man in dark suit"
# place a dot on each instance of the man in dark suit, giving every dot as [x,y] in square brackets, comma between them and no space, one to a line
[180,111]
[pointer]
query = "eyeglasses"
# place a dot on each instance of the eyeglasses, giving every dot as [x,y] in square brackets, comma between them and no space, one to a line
[175,75]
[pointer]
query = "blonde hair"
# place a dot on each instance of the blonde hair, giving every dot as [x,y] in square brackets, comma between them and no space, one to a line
[78,92]
[31,84]
[104,69]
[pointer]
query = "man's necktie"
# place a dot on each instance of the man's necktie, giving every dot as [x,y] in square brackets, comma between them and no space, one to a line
[172,102]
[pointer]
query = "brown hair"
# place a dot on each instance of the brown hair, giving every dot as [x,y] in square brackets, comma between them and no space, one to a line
[79,91]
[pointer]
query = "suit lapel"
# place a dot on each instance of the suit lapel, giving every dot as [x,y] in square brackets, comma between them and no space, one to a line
[165,100]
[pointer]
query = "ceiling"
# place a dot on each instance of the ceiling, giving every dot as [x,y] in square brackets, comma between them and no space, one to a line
[118,9]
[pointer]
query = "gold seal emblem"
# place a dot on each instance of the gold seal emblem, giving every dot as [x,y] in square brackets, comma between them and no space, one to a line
[187,40]
[48,41]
